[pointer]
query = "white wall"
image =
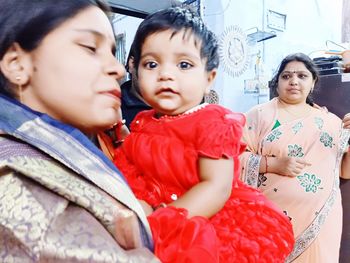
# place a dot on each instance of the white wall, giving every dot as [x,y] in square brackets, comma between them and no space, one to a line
[127,25]
[309,23]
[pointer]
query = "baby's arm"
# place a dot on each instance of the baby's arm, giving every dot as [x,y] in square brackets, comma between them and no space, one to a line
[209,196]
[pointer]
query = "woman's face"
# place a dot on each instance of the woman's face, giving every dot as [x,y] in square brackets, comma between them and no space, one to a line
[295,83]
[74,75]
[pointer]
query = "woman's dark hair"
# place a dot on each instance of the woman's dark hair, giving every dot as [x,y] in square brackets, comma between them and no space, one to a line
[27,22]
[178,19]
[300,57]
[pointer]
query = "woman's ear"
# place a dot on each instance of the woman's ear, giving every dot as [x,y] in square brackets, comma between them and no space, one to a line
[15,65]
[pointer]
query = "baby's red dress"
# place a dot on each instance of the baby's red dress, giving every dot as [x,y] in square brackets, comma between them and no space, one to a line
[159,159]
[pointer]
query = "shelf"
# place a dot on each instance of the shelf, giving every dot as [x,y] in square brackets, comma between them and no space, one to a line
[259,36]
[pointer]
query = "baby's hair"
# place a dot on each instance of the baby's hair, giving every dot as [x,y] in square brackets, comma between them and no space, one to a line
[178,19]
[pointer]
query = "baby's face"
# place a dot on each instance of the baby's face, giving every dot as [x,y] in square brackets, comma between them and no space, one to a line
[172,76]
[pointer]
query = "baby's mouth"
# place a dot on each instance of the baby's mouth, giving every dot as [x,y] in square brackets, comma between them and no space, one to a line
[166,90]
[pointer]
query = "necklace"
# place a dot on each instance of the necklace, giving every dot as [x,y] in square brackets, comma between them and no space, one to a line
[300,114]
[192,110]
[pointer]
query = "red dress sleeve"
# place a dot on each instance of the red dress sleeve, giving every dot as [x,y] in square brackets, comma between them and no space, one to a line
[219,135]
[180,239]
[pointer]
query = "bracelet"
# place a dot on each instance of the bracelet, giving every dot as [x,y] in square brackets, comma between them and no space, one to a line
[266,166]
[116,133]
[161,205]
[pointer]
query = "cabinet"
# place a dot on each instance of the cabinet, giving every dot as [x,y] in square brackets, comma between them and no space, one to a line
[333,91]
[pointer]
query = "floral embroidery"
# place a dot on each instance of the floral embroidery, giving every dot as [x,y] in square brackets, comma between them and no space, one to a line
[295,151]
[310,182]
[319,122]
[286,213]
[252,171]
[261,180]
[326,139]
[274,135]
[297,127]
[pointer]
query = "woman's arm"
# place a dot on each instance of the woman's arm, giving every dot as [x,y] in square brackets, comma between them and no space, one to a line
[285,166]
[209,196]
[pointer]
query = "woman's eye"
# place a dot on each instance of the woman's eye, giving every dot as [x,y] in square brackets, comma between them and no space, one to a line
[184,65]
[151,65]
[303,76]
[90,48]
[285,76]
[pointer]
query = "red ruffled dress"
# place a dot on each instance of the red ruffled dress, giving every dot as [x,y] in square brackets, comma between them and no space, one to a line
[159,160]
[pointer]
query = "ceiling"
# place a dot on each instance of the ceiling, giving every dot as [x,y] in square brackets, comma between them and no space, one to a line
[140,8]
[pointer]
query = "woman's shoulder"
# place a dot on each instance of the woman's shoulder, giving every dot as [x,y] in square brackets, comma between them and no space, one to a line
[262,110]
[221,110]
[12,147]
[327,115]
[216,117]
[271,104]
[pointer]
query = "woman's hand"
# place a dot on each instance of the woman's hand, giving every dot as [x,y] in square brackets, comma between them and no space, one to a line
[126,228]
[346,121]
[146,207]
[287,166]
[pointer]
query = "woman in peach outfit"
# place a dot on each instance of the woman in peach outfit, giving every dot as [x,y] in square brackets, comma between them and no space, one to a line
[294,154]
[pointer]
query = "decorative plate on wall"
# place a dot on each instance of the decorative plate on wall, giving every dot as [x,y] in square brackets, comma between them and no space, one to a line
[233,50]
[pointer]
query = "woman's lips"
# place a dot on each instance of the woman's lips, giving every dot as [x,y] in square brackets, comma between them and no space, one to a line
[114,93]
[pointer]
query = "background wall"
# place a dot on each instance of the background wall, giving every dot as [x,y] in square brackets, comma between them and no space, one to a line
[308,25]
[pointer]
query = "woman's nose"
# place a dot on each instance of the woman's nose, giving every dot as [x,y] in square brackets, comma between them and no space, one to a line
[115,68]
[293,80]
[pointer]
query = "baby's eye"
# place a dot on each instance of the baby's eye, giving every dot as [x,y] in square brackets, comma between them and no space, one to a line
[184,65]
[151,65]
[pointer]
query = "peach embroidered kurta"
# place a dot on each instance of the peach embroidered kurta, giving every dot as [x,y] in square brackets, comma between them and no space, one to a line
[311,200]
